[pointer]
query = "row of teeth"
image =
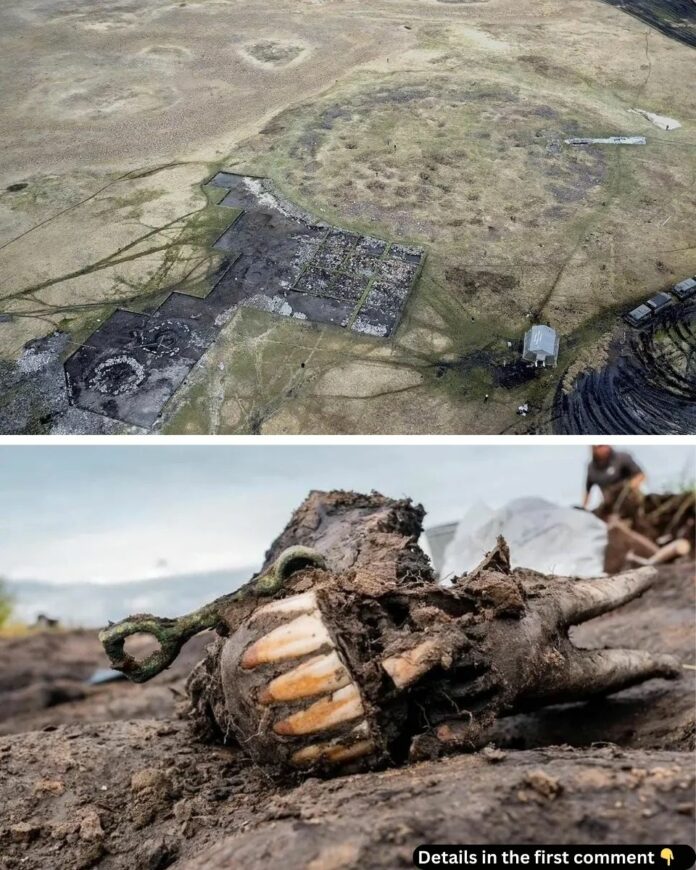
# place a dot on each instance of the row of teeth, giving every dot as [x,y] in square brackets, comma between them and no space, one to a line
[323,674]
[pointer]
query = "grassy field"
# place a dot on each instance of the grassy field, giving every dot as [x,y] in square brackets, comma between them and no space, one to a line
[440,124]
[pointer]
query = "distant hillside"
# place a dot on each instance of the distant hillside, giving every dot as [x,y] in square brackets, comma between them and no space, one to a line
[93,605]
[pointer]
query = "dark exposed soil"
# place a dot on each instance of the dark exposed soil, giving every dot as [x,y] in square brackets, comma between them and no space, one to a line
[133,363]
[136,794]
[648,386]
[674,18]
[506,368]
[276,258]
[43,682]
[111,776]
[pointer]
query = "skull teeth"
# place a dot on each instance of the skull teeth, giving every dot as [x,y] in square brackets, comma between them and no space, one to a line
[317,676]
[342,706]
[304,603]
[353,745]
[336,701]
[407,667]
[303,635]
[336,751]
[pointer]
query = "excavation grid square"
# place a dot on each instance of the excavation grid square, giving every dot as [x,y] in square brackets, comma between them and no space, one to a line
[360,264]
[315,281]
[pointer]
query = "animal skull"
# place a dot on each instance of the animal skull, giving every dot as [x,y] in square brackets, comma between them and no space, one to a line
[304,689]
[363,660]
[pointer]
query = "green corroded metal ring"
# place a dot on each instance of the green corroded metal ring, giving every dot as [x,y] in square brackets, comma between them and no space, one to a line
[172,634]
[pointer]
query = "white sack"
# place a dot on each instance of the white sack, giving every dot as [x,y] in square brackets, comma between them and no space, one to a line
[541,535]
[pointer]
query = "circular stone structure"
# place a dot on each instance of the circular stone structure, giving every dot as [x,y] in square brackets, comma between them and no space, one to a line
[165,338]
[116,376]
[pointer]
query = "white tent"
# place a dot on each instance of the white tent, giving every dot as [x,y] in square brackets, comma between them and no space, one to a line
[541,346]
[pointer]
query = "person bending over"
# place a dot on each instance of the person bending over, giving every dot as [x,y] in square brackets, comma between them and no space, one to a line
[609,469]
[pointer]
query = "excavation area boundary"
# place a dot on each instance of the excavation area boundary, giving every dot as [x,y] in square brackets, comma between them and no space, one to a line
[276,258]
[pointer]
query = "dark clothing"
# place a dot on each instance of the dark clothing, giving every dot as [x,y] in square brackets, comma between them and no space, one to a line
[620,468]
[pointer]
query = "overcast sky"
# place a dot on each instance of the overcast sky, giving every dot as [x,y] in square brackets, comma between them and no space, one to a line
[132,512]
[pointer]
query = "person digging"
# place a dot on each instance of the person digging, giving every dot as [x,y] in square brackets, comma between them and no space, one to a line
[632,536]
[616,474]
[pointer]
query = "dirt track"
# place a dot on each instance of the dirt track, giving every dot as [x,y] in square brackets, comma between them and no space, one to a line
[81,789]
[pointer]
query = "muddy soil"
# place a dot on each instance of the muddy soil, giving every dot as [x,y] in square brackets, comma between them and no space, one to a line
[136,795]
[43,682]
[648,385]
[674,18]
[114,778]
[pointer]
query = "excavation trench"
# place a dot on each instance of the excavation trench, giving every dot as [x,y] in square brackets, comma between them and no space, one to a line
[648,386]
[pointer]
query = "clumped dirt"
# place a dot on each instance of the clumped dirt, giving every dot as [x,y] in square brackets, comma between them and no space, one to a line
[43,682]
[137,794]
[114,778]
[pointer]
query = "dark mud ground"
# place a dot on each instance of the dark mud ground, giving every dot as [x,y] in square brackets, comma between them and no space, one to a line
[110,776]
[648,385]
[674,18]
